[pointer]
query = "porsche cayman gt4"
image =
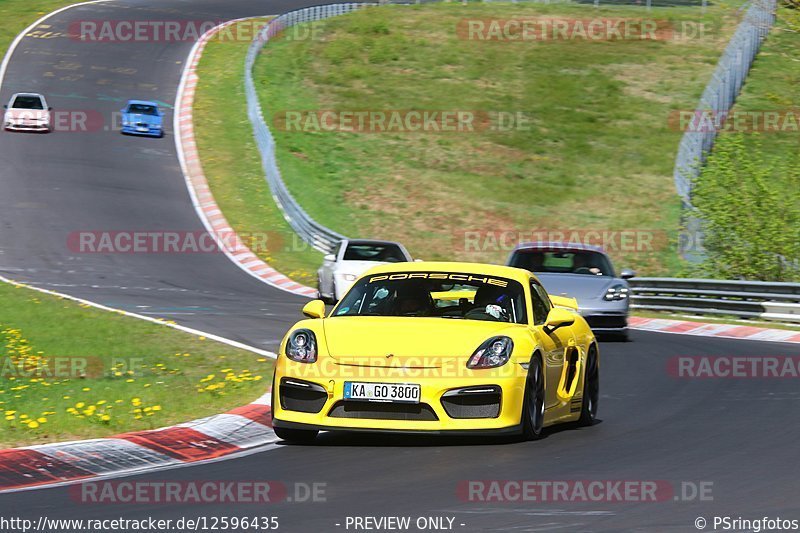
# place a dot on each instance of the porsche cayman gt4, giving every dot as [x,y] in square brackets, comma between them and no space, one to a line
[437,348]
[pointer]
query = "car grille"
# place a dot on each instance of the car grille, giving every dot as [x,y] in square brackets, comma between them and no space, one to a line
[473,402]
[302,396]
[383,411]
[607,321]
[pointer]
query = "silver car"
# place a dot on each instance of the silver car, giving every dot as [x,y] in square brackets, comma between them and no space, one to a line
[584,273]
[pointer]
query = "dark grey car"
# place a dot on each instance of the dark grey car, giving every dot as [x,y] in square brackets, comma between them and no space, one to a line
[584,273]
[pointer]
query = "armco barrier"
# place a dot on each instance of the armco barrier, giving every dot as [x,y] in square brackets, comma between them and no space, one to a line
[721,92]
[744,299]
[717,100]
[312,232]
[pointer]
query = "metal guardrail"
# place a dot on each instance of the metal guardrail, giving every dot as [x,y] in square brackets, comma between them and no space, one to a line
[312,232]
[721,92]
[744,299]
[716,101]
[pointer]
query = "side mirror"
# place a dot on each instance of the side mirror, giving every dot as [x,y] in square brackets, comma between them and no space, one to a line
[5,106]
[558,318]
[160,113]
[329,257]
[314,309]
[50,108]
[123,111]
[627,273]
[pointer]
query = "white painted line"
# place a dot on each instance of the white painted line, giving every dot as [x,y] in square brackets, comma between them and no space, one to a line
[223,340]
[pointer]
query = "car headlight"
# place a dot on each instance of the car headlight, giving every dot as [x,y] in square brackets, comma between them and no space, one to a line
[492,353]
[349,277]
[616,293]
[126,122]
[302,346]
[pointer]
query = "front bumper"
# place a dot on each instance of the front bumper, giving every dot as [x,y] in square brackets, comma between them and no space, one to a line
[501,432]
[608,322]
[605,317]
[28,127]
[150,132]
[443,408]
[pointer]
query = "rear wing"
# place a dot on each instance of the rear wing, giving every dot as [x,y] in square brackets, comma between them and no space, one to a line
[564,301]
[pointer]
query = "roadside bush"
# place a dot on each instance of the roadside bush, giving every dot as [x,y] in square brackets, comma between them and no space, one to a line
[751,207]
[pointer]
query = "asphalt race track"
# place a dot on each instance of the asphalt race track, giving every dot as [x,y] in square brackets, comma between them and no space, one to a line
[74,181]
[738,436]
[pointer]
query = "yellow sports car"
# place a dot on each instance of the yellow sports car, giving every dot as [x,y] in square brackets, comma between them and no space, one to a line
[445,348]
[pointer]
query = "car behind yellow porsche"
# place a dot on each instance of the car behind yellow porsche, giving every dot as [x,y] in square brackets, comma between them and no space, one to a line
[437,348]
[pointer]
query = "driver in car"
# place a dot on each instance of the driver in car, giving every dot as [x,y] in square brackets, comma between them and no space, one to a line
[414,301]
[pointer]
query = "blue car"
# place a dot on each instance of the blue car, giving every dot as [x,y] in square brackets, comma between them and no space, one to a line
[140,117]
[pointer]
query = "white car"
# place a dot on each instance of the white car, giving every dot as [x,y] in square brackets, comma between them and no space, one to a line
[27,112]
[349,260]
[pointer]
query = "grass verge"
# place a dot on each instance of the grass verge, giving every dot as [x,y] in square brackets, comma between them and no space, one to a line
[70,371]
[232,163]
[16,15]
[598,154]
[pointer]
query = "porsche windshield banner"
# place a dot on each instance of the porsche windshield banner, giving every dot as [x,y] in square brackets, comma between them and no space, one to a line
[441,276]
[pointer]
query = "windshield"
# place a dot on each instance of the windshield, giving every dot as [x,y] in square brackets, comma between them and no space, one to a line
[28,102]
[383,252]
[563,262]
[143,109]
[436,294]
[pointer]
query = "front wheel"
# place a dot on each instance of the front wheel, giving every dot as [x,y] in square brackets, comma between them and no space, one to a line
[533,401]
[298,436]
[591,389]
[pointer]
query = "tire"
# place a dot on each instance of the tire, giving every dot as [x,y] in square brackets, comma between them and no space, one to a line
[297,436]
[591,389]
[533,400]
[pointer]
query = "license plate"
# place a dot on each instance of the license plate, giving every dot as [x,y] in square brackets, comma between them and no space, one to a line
[382,392]
[143,129]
